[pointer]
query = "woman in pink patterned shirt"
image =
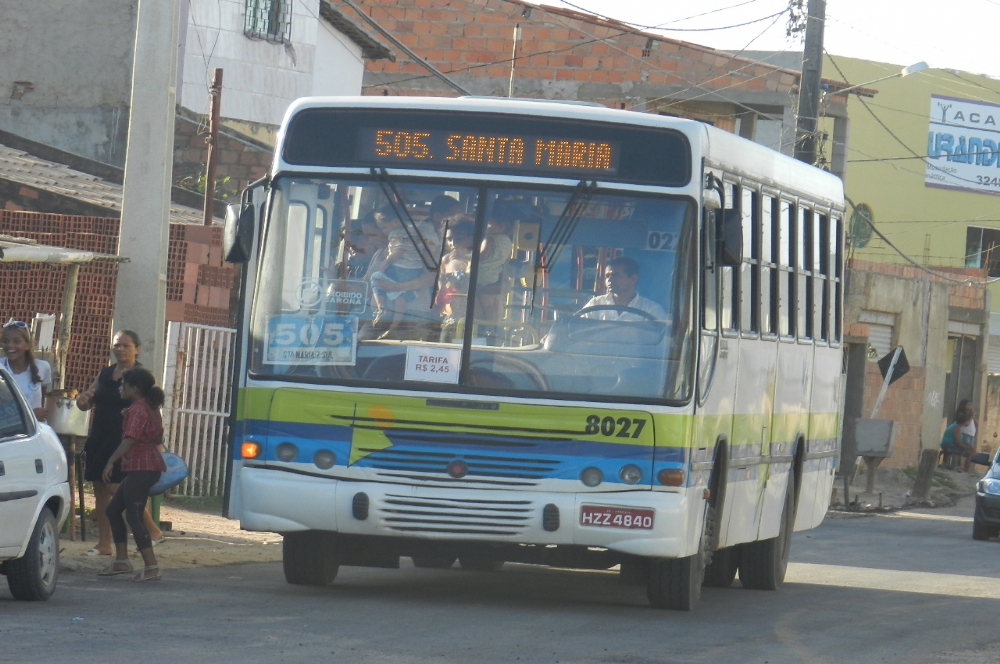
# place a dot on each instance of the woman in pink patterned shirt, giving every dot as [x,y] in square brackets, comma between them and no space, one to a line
[142,434]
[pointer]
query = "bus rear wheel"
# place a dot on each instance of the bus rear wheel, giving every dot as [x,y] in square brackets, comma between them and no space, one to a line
[721,572]
[310,558]
[763,563]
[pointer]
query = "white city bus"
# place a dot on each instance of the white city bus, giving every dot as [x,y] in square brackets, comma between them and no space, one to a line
[489,331]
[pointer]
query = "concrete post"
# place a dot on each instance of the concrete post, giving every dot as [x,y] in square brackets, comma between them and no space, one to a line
[141,293]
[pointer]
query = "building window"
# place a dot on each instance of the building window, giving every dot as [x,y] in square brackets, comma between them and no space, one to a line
[269,19]
[982,249]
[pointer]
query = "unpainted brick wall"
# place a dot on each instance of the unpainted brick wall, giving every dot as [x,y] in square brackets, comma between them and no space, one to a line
[558,49]
[30,288]
[904,401]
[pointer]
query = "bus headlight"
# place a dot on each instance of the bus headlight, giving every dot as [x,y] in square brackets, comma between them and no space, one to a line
[324,459]
[630,474]
[286,452]
[591,476]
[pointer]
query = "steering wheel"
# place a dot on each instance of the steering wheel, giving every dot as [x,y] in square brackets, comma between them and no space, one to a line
[617,307]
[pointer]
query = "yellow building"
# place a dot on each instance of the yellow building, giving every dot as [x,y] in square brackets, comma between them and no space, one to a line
[922,154]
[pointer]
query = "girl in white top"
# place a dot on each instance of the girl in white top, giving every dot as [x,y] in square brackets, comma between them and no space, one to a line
[32,376]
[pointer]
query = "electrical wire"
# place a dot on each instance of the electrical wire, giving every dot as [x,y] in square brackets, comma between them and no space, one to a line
[657,27]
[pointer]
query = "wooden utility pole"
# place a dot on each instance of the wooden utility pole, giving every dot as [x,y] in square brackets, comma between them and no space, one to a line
[809,83]
[215,99]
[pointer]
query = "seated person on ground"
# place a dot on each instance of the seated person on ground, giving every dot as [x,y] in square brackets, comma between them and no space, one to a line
[620,276]
[952,442]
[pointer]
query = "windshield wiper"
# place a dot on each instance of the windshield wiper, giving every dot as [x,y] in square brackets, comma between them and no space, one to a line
[399,207]
[562,231]
[565,224]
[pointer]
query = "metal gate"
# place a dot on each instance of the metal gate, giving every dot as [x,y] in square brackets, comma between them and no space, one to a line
[196,379]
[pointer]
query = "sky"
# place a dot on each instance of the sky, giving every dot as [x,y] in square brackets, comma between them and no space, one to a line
[956,34]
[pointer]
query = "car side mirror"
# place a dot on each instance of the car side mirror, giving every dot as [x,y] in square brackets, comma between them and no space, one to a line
[980,458]
[730,238]
[237,236]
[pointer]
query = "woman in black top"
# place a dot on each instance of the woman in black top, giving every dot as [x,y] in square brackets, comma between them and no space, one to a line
[106,435]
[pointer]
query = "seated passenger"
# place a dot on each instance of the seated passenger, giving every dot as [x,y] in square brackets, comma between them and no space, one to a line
[397,280]
[620,276]
[494,253]
[453,279]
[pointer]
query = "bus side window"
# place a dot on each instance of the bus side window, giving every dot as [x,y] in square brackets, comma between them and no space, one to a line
[729,304]
[749,281]
[709,272]
[768,294]
[804,262]
[837,257]
[785,275]
[823,231]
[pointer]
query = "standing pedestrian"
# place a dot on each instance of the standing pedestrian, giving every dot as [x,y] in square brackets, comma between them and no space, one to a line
[33,377]
[142,433]
[104,396]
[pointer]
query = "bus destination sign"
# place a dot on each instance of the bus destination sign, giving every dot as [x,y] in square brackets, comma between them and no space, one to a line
[438,149]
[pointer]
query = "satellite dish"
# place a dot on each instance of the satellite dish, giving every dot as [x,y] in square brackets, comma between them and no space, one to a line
[861,225]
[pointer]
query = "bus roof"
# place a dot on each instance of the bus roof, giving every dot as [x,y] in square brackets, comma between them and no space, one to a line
[720,148]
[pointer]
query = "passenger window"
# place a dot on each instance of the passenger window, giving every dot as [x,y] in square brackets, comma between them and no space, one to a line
[11,418]
[806,298]
[749,279]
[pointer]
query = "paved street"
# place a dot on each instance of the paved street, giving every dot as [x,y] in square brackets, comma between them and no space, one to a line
[860,589]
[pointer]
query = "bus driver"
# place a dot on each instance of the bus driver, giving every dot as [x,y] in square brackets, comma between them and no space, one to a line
[621,275]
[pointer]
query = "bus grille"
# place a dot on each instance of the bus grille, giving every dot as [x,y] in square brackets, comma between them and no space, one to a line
[486,466]
[454,516]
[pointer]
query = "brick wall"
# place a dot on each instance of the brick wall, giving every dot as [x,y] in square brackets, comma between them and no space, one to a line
[967,296]
[242,160]
[561,54]
[198,282]
[903,403]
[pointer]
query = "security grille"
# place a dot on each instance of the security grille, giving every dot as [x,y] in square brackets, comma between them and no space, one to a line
[269,19]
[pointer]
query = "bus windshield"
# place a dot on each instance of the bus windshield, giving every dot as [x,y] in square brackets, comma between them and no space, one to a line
[559,292]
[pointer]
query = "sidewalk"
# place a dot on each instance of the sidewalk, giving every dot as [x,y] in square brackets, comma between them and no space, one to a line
[199,536]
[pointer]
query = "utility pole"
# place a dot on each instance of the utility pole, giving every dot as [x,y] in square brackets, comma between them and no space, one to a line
[141,290]
[215,96]
[809,83]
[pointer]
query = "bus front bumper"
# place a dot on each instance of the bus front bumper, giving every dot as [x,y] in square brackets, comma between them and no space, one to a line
[276,501]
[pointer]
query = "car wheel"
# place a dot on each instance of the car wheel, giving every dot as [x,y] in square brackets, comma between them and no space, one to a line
[34,576]
[981,531]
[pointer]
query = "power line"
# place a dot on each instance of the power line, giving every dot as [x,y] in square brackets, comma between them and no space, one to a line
[657,27]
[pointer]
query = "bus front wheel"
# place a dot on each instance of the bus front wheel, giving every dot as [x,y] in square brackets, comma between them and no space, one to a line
[675,583]
[310,558]
[763,563]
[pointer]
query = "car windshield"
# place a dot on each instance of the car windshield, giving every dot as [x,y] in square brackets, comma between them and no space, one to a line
[558,292]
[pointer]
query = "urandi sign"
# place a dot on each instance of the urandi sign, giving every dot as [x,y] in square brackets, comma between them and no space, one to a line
[963,145]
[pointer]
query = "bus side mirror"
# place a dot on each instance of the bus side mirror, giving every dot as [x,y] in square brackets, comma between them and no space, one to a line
[237,236]
[730,238]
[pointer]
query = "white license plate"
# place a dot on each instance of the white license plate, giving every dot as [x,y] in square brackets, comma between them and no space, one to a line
[629,518]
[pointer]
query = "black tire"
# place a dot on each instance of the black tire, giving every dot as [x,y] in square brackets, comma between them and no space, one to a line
[433,562]
[310,558]
[480,563]
[676,583]
[763,563]
[981,531]
[34,576]
[721,572]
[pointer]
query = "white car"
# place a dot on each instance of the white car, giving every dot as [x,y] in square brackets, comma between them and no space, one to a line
[34,497]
